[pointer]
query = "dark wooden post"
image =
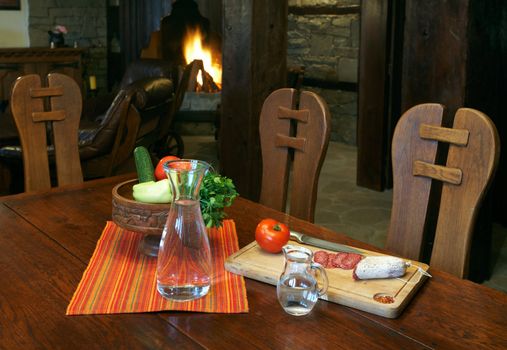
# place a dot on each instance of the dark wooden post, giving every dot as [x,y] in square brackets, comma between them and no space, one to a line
[379,90]
[254,64]
[373,97]
[435,54]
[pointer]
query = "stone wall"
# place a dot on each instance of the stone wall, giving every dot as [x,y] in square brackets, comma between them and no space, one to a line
[86,23]
[327,45]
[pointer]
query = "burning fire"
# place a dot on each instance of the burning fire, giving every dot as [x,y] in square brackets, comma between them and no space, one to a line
[193,50]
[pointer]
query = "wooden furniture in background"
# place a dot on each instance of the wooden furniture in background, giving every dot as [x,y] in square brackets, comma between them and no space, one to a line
[15,62]
[27,107]
[43,254]
[471,161]
[110,127]
[284,129]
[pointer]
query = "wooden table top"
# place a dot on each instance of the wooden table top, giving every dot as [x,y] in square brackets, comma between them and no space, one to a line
[47,239]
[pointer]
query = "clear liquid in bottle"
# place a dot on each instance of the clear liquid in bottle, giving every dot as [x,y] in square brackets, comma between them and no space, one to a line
[298,288]
[297,294]
[184,269]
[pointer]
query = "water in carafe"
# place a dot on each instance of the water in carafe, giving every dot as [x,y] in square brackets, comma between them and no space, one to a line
[184,259]
[297,288]
[297,294]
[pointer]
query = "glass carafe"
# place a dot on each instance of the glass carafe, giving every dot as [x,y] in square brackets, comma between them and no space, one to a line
[298,289]
[184,257]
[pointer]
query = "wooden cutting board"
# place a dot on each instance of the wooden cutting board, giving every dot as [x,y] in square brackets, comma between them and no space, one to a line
[252,262]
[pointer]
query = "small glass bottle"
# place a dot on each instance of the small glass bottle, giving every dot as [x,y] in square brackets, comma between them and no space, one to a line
[297,288]
[184,257]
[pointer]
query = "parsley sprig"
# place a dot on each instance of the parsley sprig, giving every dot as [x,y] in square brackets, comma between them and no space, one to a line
[217,192]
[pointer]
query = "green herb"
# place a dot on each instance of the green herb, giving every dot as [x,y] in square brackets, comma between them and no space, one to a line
[217,192]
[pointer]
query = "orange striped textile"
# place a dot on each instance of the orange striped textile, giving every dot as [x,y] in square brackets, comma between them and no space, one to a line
[119,279]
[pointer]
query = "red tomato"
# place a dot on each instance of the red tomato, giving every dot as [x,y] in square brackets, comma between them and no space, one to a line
[272,235]
[159,170]
[181,165]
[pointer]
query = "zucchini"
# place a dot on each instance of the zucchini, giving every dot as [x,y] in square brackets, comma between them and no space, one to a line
[153,192]
[144,166]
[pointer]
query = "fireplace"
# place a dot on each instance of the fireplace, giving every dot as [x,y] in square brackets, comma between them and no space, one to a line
[206,65]
[187,40]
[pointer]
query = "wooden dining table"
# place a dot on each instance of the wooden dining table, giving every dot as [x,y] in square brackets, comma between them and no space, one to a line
[48,238]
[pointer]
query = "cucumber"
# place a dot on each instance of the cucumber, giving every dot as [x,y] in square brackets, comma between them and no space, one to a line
[144,166]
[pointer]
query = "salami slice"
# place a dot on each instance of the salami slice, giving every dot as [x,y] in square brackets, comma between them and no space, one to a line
[337,259]
[330,259]
[346,261]
[350,261]
[321,257]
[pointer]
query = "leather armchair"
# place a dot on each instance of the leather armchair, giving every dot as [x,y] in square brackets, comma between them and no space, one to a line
[106,140]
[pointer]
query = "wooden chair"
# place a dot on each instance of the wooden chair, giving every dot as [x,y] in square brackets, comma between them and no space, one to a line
[306,130]
[27,105]
[471,161]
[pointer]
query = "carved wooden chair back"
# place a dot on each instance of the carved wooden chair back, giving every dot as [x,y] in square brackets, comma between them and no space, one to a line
[305,130]
[471,161]
[31,118]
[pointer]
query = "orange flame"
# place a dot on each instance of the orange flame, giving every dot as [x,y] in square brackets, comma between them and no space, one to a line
[193,50]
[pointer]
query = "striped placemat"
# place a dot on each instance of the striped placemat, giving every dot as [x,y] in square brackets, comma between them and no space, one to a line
[119,279]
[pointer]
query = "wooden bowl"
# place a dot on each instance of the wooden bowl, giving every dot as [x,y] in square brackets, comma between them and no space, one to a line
[135,216]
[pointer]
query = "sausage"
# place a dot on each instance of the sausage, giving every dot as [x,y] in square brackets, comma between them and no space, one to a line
[321,257]
[350,261]
[337,259]
[380,267]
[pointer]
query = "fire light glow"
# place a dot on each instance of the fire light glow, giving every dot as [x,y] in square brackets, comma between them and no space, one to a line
[193,50]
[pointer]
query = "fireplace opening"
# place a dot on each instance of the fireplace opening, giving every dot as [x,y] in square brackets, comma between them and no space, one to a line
[188,41]
[205,66]
[186,36]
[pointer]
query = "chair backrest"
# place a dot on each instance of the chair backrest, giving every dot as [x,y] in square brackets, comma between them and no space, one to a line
[471,161]
[305,130]
[31,118]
